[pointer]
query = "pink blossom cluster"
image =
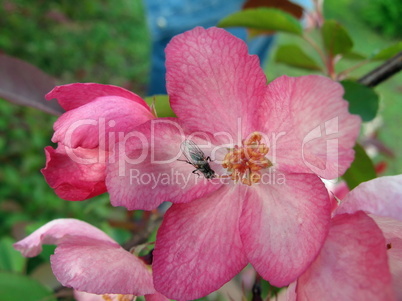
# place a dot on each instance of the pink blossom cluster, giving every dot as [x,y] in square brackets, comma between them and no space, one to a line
[225,214]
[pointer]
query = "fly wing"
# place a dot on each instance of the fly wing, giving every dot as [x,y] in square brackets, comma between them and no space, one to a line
[192,152]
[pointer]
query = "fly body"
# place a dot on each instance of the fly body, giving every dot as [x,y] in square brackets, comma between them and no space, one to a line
[196,157]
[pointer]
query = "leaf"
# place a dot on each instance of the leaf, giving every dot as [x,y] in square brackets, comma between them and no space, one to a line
[10,259]
[15,287]
[388,52]
[284,5]
[336,38]
[24,84]
[162,105]
[294,56]
[363,100]
[263,19]
[361,170]
[351,55]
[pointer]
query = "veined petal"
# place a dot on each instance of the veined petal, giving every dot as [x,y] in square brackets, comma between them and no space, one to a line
[381,196]
[89,125]
[284,224]
[72,96]
[213,83]
[311,128]
[53,232]
[392,231]
[147,170]
[86,259]
[97,267]
[198,246]
[75,174]
[352,264]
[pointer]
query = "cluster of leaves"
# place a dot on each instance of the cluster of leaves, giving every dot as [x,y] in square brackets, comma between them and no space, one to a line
[91,40]
[384,16]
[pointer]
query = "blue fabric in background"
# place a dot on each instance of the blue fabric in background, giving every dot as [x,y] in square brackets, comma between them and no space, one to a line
[167,18]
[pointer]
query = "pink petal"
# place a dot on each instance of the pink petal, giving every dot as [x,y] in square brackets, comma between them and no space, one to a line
[392,231]
[352,264]
[213,82]
[89,260]
[70,179]
[98,267]
[91,125]
[284,224]
[311,128]
[83,296]
[147,171]
[156,297]
[73,96]
[380,196]
[198,246]
[56,230]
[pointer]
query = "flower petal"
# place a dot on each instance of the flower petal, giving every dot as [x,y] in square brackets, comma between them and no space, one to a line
[352,264]
[381,196]
[311,128]
[86,259]
[72,96]
[213,82]
[198,246]
[148,172]
[98,267]
[56,230]
[284,224]
[89,125]
[74,174]
[392,230]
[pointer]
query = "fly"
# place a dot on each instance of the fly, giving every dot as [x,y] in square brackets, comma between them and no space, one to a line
[196,157]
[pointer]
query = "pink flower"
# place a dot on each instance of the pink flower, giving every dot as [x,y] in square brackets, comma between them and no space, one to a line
[86,133]
[362,256]
[269,145]
[88,260]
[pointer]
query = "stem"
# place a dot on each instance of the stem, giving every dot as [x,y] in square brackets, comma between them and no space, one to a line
[342,75]
[383,72]
[327,61]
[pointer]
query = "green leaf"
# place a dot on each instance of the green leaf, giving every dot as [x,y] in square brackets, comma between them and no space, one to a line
[363,100]
[336,38]
[10,259]
[162,105]
[19,287]
[269,19]
[351,55]
[361,170]
[388,52]
[294,56]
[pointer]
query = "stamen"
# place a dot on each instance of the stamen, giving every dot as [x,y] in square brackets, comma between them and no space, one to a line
[245,162]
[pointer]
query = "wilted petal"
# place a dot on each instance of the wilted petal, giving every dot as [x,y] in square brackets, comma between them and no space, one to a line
[198,246]
[53,232]
[72,96]
[74,174]
[89,125]
[283,226]
[392,230]
[352,264]
[381,196]
[147,170]
[99,267]
[311,128]
[213,83]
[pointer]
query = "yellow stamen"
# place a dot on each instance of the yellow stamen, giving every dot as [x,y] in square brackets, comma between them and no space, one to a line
[245,162]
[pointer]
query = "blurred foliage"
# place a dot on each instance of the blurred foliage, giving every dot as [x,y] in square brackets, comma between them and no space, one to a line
[88,40]
[383,16]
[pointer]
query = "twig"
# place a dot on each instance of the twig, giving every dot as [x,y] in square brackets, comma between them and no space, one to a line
[383,72]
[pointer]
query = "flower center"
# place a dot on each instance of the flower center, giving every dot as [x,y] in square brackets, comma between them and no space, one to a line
[245,162]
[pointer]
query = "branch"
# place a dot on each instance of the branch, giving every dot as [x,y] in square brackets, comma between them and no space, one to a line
[383,72]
